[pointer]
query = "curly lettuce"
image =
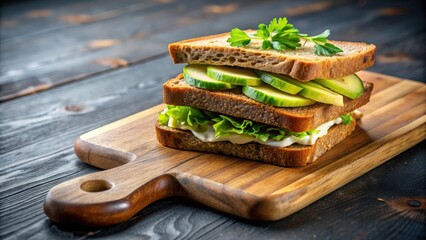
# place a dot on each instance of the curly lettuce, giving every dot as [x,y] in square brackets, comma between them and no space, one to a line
[199,120]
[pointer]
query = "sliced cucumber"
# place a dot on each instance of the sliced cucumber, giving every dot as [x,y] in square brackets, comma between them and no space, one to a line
[350,86]
[317,92]
[196,75]
[233,75]
[269,95]
[279,82]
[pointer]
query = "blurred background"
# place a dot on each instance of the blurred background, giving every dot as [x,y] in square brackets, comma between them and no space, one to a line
[48,43]
[70,66]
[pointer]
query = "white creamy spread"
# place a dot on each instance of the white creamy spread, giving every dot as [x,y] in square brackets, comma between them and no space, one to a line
[208,135]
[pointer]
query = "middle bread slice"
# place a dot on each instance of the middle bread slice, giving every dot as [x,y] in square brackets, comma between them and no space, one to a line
[232,102]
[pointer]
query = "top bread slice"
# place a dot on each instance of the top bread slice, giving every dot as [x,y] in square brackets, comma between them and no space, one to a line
[232,102]
[302,64]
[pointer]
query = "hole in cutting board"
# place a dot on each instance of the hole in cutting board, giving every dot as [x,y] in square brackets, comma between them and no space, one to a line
[97,185]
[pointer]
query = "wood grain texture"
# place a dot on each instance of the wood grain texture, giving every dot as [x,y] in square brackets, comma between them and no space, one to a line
[37,149]
[37,131]
[149,172]
[36,152]
[44,17]
[72,58]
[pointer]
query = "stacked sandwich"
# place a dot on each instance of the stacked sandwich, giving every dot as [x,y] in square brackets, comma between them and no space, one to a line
[285,107]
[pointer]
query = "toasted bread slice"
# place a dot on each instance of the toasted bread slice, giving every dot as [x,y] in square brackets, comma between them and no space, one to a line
[292,156]
[301,64]
[232,102]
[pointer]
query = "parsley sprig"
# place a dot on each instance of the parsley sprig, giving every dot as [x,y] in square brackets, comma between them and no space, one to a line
[347,119]
[281,35]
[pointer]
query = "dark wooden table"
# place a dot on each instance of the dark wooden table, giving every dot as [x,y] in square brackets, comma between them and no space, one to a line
[68,67]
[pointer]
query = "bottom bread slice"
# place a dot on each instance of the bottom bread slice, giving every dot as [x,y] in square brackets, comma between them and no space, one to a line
[292,156]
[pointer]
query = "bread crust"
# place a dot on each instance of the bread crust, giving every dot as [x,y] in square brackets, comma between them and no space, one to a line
[301,64]
[292,156]
[232,102]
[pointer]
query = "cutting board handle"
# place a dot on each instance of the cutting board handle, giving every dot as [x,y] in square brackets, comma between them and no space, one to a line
[108,197]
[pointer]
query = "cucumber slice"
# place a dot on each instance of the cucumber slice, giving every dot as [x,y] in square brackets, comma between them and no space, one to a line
[317,92]
[350,86]
[279,82]
[196,75]
[233,75]
[269,95]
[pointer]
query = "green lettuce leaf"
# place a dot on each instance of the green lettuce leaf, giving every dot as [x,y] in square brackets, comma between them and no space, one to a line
[223,124]
[227,125]
[346,119]
[183,115]
[163,119]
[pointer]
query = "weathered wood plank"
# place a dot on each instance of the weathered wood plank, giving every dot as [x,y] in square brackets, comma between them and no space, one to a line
[41,133]
[78,53]
[37,162]
[63,64]
[243,193]
[31,18]
[73,59]
[36,165]
[358,207]
[403,53]
[50,157]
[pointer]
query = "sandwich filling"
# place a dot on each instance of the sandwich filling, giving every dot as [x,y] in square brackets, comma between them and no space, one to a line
[213,127]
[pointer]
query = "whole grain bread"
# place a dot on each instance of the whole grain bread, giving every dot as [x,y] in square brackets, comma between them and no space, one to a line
[232,102]
[292,156]
[301,64]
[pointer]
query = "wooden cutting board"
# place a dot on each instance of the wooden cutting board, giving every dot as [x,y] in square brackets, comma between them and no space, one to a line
[142,171]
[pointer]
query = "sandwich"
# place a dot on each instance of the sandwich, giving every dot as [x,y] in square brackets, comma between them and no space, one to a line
[273,94]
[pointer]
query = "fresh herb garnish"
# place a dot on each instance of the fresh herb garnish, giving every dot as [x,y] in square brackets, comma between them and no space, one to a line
[281,35]
[346,119]
[198,120]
